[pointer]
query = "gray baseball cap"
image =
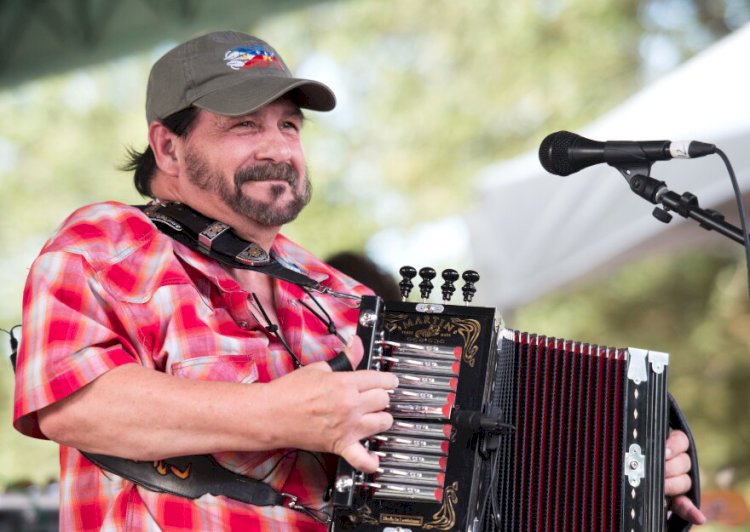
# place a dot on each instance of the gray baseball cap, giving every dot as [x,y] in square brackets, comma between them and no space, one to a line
[228,73]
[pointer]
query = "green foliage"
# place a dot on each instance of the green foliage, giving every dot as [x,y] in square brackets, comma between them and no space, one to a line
[461,85]
[430,92]
[22,458]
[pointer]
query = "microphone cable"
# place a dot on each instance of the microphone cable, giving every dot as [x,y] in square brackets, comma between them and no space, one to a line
[741,209]
[13,344]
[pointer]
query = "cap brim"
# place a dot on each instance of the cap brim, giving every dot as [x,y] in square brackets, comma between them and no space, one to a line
[249,95]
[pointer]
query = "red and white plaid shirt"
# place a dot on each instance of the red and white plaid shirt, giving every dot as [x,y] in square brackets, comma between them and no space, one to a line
[110,289]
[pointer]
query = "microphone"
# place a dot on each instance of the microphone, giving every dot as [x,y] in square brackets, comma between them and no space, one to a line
[563,152]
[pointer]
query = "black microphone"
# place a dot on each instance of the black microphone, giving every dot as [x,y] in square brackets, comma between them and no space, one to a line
[564,153]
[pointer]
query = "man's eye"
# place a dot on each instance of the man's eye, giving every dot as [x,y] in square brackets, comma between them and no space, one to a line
[245,124]
[290,125]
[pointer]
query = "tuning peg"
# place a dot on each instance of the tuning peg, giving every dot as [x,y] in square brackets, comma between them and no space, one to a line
[425,287]
[448,288]
[470,277]
[407,274]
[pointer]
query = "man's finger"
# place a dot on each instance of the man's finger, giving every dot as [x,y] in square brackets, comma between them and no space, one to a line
[348,358]
[679,465]
[359,458]
[374,400]
[677,485]
[355,350]
[368,379]
[375,423]
[685,508]
[677,442]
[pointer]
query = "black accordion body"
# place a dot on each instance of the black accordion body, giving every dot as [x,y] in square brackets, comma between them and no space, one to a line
[498,430]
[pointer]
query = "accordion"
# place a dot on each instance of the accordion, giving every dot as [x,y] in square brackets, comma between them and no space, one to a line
[500,430]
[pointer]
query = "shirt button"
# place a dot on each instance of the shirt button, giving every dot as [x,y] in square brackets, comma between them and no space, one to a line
[243,324]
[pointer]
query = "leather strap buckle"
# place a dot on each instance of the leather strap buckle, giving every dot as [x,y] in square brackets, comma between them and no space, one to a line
[211,233]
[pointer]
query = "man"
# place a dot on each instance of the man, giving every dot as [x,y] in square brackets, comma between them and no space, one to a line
[138,346]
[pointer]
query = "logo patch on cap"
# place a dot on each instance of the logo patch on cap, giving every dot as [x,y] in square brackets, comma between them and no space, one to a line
[255,57]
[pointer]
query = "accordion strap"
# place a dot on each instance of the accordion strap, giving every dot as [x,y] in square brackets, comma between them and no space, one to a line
[678,421]
[191,477]
[218,241]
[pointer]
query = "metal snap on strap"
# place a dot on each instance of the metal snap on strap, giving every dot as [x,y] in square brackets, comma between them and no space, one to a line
[253,255]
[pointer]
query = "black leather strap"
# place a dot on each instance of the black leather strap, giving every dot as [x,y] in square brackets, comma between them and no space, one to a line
[188,476]
[191,477]
[678,421]
[340,362]
[219,242]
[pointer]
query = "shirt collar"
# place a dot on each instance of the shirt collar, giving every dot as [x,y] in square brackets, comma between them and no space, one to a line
[284,251]
[208,267]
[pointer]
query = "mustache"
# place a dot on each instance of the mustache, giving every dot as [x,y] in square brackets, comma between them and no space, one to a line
[266,172]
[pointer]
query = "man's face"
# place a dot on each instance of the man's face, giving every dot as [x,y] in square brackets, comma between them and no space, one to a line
[252,164]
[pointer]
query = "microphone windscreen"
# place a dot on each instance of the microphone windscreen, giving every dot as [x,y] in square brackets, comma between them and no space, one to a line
[553,152]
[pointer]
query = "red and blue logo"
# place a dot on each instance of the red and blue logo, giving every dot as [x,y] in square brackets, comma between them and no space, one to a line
[253,57]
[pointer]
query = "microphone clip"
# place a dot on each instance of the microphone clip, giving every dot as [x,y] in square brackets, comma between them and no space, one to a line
[630,170]
[647,187]
[651,190]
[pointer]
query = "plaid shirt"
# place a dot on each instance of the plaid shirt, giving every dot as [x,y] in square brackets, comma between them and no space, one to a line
[110,289]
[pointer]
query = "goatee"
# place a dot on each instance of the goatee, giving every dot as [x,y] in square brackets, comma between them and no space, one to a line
[268,213]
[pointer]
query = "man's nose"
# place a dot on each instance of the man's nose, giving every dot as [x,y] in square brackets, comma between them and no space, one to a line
[273,146]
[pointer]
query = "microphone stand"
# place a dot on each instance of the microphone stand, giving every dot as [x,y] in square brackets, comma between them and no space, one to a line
[636,173]
[686,205]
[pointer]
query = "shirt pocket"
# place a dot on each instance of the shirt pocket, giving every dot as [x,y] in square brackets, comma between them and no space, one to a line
[226,368]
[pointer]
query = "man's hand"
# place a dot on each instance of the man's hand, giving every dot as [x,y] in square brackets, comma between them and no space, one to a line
[333,411]
[677,481]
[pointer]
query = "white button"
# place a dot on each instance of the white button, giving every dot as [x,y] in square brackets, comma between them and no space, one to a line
[243,324]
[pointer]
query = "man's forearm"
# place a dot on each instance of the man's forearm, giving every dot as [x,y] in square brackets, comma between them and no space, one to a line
[138,413]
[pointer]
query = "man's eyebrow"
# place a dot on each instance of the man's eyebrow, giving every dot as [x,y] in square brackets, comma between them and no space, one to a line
[292,113]
[297,113]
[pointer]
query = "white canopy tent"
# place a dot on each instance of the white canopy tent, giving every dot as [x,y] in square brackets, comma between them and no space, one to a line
[532,232]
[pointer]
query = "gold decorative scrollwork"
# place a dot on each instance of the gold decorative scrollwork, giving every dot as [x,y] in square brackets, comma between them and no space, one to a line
[445,518]
[392,321]
[437,330]
[365,516]
[431,331]
[469,331]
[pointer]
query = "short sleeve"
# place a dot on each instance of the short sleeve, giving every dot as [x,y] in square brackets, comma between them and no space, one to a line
[71,335]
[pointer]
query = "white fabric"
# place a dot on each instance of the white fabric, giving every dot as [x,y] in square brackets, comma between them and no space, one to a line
[532,232]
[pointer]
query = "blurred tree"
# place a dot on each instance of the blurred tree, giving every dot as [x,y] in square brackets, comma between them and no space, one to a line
[429,92]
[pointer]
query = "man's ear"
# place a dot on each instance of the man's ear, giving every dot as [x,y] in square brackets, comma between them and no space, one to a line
[164,145]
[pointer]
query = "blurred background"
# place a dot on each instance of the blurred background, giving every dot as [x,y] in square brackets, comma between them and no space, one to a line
[429,159]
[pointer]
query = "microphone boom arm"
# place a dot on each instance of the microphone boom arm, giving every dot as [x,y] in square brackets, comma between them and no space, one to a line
[686,205]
